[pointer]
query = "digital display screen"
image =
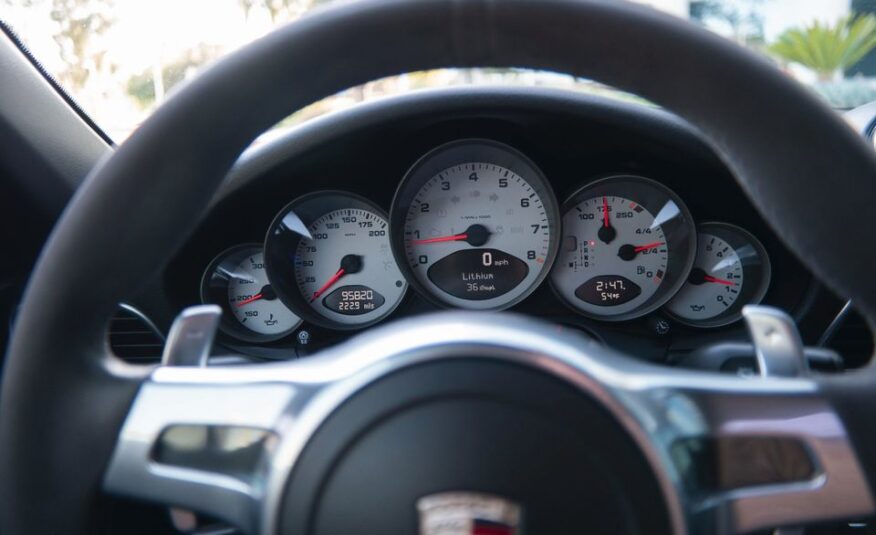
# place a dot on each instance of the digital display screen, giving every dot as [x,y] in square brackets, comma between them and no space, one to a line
[353,300]
[608,290]
[478,274]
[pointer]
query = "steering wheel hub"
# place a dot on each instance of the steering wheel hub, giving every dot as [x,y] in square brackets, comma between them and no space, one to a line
[472,427]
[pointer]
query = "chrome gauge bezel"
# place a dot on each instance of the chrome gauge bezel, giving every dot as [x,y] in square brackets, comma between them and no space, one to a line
[307,209]
[681,255]
[759,269]
[461,152]
[214,290]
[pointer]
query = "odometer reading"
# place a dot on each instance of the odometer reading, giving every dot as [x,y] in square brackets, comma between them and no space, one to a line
[476,225]
[354,300]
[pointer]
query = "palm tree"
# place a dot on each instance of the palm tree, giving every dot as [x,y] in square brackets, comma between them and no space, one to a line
[828,49]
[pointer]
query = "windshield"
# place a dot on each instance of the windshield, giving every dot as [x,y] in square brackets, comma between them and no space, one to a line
[119,59]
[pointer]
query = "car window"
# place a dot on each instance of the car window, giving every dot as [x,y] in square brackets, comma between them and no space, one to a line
[119,59]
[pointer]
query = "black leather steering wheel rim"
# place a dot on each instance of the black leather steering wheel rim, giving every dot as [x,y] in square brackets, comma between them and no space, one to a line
[64,398]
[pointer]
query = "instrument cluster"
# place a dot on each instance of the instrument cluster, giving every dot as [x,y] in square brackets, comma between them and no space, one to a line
[475,224]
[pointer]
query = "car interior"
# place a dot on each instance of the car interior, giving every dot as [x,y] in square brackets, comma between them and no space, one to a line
[485,310]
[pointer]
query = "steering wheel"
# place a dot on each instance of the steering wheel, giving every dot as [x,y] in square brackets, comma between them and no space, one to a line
[452,421]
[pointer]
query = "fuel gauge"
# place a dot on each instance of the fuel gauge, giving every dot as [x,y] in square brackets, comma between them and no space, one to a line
[731,270]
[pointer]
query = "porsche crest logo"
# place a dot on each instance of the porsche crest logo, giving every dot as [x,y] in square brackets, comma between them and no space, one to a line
[468,513]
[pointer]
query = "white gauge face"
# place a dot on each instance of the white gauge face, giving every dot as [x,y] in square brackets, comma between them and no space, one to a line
[714,284]
[253,302]
[732,269]
[611,271]
[479,236]
[628,244]
[345,270]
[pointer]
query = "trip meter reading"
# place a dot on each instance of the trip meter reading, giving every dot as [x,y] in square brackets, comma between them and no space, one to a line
[732,269]
[474,225]
[329,256]
[628,244]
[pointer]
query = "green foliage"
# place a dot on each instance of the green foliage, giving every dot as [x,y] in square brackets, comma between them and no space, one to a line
[828,49]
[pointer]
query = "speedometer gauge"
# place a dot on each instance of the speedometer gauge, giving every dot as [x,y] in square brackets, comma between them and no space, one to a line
[628,245]
[329,258]
[474,225]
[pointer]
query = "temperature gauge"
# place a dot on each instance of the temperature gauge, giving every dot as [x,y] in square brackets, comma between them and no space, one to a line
[731,270]
[628,242]
[236,280]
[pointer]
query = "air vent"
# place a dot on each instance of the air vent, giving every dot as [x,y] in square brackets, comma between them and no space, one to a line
[851,338]
[133,338]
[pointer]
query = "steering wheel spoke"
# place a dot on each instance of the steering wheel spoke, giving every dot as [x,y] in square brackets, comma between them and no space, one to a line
[756,453]
[204,439]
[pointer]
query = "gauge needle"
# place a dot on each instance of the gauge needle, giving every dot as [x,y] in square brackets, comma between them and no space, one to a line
[647,246]
[628,252]
[475,235]
[256,297]
[699,276]
[351,263]
[441,239]
[328,284]
[606,232]
[709,278]
[267,293]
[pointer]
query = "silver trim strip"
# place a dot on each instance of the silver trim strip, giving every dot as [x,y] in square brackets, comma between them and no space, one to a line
[131,309]
[835,324]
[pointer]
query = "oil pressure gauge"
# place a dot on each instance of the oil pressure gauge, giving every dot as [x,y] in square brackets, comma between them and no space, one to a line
[731,270]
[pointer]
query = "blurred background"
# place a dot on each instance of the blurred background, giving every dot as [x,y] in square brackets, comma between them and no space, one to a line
[119,59]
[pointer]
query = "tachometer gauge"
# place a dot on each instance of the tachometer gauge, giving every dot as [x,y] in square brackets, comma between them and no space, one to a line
[474,225]
[328,254]
[731,270]
[628,245]
[236,281]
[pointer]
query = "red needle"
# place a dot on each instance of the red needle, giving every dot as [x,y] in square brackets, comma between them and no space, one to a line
[709,278]
[647,246]
[328,284]
[455,237]
[256,297]
[605,222]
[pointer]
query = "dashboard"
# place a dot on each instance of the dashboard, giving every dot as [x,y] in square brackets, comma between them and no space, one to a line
[610,218]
